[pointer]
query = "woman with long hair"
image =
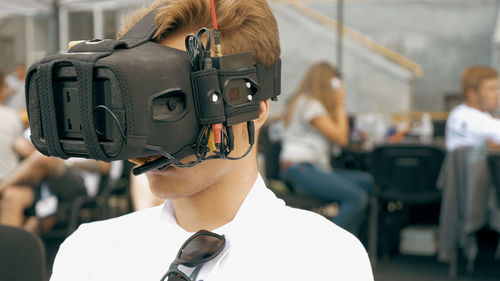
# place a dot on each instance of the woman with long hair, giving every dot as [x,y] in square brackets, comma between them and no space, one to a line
[315,120]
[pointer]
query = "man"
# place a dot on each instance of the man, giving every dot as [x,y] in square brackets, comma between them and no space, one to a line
[265,240]
[472,123]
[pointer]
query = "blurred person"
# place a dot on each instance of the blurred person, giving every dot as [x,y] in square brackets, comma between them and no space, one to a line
[66,179]
[13,146]
[16,98]
[265,240]
[471,124]
[471,130]
[315,119]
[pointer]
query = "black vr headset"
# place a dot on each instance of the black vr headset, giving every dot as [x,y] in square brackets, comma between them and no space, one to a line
[133,97]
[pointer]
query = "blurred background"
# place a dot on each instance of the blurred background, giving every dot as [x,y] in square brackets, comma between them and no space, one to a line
[401,63]
[396,55]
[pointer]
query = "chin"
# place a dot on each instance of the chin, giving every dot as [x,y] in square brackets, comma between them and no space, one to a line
[175,183]
[167,186]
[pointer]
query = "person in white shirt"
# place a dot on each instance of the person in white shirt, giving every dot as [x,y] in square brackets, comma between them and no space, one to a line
[472,124]
[12,144]
[265,240]
[315,120]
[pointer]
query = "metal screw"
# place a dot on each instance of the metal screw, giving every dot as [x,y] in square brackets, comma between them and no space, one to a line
[250,97]
[248,85]
[215,97]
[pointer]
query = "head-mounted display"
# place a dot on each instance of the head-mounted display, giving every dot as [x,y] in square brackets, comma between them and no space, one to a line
[133,97]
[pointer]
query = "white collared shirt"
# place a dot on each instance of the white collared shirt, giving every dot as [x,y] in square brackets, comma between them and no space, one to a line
[467,126]
[265,241]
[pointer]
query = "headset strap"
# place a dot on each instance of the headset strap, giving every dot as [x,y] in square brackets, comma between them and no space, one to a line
[142,31]
[84,66]
[48,110]
[269,80]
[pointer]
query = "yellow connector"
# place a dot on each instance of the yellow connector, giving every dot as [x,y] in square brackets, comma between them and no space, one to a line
[218,50]
[71,44]
[211,141]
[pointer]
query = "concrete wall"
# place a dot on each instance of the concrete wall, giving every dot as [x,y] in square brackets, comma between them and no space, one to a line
[443,36]
[13,49]
[373,83]
[26,39]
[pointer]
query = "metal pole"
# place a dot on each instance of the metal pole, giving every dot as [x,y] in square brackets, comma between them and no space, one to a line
[63,29]
[56,27]
[97,12]
[340,20]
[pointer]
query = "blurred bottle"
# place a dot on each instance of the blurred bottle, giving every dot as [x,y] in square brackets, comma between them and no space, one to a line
[426,129]
[380,129]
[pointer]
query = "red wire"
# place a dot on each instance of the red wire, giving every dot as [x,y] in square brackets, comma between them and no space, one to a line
[214,19]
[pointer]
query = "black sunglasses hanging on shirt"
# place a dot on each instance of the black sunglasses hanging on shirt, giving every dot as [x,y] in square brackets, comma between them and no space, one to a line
[200,248]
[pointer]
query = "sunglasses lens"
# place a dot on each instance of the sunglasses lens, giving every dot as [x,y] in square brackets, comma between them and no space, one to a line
[201,247]
[176,277]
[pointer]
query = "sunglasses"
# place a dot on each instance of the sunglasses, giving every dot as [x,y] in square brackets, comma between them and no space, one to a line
[200,248]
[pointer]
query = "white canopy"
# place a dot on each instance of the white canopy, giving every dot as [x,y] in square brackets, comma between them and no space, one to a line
[24,7]
[34,7]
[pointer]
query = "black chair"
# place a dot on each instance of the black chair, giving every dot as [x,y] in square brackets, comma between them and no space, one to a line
[406,175]
[86,209]
[465,211]
[271,150]
[494,165]
[22,255]
[115,184]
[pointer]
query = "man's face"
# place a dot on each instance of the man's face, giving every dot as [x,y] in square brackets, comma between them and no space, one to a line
[488,95]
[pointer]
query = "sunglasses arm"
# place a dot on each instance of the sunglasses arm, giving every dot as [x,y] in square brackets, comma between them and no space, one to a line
[174,269]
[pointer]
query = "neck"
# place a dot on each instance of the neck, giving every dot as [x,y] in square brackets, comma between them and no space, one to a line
[474,105]
[218,204]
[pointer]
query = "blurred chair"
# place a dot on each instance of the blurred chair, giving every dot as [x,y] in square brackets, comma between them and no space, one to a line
[494,166]
[466,204]
[439,128]
[406,174]
[270,148]
[22,255]
[112,199]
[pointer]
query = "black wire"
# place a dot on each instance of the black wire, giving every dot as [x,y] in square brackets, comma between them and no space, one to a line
[114,117]
[199,57]
[199,54]
[251,140]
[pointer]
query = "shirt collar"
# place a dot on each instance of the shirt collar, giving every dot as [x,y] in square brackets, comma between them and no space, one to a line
[256,206]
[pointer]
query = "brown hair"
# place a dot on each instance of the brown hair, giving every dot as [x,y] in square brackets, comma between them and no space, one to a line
[244,25]
[316,84]
[2,79]
[473,76]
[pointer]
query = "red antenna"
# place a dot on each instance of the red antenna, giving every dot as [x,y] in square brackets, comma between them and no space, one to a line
[218,47]
[214,18]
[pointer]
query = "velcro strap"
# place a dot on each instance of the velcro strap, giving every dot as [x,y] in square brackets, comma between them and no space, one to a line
[84,71]
[205,87]
[142,31]
[269,80]
[48,110]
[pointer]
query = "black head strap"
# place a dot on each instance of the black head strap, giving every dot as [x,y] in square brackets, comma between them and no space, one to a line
[142,31]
